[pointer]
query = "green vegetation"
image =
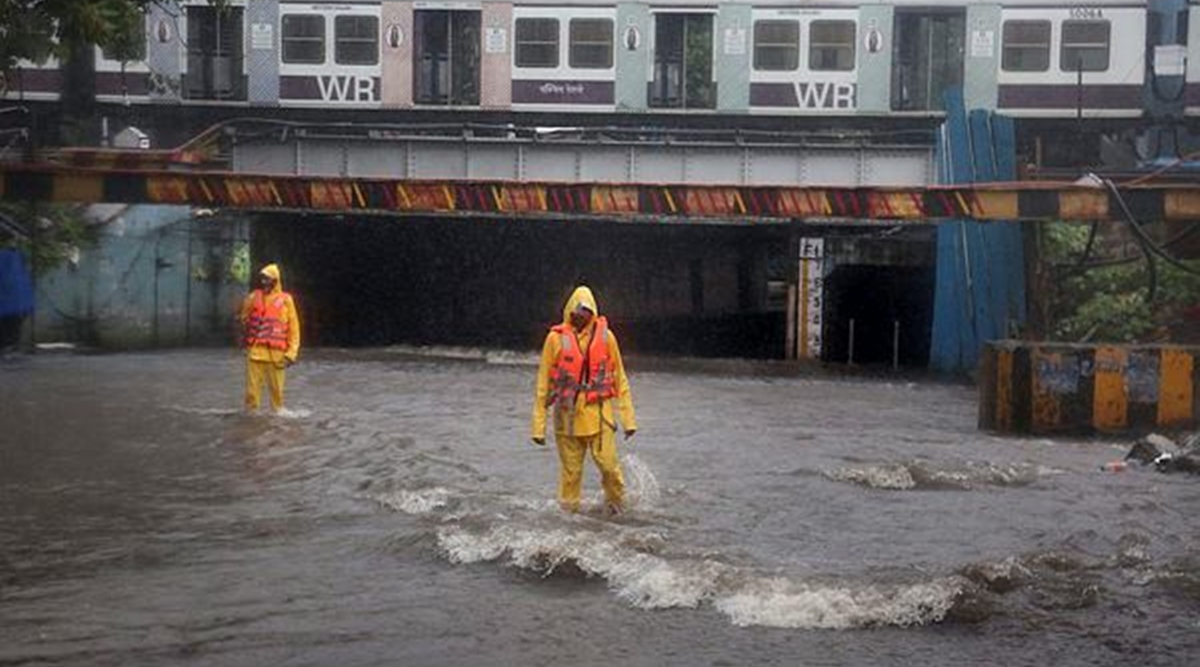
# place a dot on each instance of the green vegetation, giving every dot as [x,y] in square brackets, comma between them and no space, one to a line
[50,234]
[1108,297]
[37,29]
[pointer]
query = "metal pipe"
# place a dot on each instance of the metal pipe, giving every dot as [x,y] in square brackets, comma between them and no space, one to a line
[895,345]
[789,337]
[850,359]
[157,269]
[187,288]
[33,274]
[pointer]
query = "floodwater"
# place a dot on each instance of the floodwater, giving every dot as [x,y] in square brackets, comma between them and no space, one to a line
[398,515]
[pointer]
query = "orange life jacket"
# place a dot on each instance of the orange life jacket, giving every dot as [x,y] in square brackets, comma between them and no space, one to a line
[569,377]
[265,324]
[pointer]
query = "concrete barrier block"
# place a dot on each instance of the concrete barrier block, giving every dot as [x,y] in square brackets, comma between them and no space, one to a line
[1041,387]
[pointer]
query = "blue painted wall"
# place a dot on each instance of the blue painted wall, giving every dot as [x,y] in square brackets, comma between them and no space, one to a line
[137,288]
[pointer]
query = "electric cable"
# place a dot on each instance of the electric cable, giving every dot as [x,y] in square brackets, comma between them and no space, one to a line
[1101,263]
[1143,236]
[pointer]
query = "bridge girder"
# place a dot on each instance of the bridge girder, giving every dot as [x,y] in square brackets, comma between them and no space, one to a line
[689,203]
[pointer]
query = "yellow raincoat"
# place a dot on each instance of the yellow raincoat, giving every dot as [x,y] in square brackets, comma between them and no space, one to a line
[584,426]
[264,363]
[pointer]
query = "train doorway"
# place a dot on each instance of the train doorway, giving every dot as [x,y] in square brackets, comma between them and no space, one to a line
[215,54]
[927,57]
[683,62]
[446,57]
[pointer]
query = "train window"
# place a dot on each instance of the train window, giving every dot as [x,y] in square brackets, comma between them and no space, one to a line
[1026,46]
[303,39]
[776,46]
[1084,46]
[356,40]
[591,44]
[536,43]
[831,45]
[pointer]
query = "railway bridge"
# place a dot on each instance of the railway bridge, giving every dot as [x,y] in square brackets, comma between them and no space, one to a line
[820,246]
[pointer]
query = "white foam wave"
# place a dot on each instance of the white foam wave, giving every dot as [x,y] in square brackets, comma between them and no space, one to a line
[896,477]
[512,358]
[439,351]
[649,581]
[781,603]
[643,580]
[904,476]
[422,501]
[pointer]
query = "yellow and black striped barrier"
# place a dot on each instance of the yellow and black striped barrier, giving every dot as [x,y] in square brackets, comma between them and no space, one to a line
[1001,202]
[1037,387]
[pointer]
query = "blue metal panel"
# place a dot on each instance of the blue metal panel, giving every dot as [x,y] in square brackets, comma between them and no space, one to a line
[980,286]
[16,287]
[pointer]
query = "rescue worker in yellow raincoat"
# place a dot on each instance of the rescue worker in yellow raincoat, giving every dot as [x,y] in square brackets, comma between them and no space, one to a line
[581,376]
[271,334]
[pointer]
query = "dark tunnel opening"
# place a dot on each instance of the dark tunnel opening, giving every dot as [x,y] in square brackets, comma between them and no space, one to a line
[892,310]
[666,289]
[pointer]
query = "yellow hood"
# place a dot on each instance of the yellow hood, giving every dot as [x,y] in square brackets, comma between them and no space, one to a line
[581,295]
[272,270]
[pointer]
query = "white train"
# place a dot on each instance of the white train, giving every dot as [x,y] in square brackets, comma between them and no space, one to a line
[1024,58]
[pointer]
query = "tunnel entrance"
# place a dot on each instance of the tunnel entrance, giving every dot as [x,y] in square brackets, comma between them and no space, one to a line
[892,312]
[666,289]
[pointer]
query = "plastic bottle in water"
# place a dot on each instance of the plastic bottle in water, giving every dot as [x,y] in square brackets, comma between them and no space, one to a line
[1115,466]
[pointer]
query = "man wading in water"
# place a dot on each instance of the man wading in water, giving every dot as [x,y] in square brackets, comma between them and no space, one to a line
[581,373]
[272,337]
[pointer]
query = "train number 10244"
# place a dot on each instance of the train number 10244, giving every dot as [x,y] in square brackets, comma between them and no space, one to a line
[1086,13]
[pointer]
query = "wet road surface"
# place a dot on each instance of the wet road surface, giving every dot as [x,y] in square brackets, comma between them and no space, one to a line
[396,514]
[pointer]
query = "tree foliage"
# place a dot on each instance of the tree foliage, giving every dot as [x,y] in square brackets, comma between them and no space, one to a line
[35,30]
[50,233]
[1102,299]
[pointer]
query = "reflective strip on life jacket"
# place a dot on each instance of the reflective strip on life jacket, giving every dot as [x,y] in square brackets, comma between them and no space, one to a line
[567,377]
[265,324]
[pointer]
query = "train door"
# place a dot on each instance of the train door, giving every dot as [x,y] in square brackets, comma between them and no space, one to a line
[446,56]
[683,62]
[927,57]
[215,54]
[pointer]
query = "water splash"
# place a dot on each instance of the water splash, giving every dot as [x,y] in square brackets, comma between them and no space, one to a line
[641,484]
[782,603]
[290,413]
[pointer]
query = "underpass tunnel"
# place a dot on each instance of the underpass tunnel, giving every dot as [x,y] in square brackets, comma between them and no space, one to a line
[886,288]
[501,283]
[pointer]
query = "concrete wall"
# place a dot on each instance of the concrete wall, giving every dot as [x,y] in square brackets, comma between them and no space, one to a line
[1027,387]
[138,288]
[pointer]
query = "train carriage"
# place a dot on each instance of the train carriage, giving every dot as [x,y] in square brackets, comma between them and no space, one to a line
[787,58]
[1057,61]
